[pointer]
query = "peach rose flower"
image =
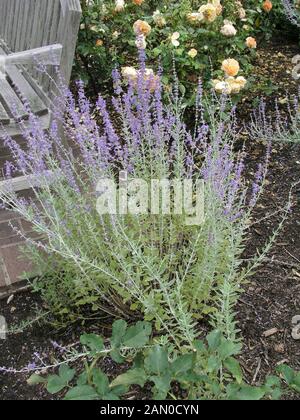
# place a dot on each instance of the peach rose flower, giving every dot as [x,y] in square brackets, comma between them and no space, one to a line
[251,42]
[267,6]
[141,27]
[231,67]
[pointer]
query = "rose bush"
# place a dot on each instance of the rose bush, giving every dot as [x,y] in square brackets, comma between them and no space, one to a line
[200,35]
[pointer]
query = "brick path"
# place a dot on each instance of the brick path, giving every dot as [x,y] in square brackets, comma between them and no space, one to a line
[12,265]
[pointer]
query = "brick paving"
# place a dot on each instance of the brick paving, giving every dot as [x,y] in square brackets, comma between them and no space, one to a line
[12,264]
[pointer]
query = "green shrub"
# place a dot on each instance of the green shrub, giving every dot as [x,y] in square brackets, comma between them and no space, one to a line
[107,39]
[172,270]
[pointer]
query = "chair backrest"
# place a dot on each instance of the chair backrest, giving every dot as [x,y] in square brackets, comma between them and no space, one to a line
[28,24]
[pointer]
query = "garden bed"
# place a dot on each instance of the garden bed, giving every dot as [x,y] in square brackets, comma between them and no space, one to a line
[262,307]
[264,312]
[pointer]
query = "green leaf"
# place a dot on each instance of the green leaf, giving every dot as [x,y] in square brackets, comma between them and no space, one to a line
[138,335]
[55,384]
[162,386]
[287,373]
[296,382]
[116,356]
[272,381]
[93,342]
[214,364]
[120,390]
[183,364]
[81,393]
[110,397]
[250,393]
[228,348]
[132,377]
[233,366]
[214,339]
[118,331]
[157,360]
[199,346]
[82,379]
[36,379]
[66,374]
[138,361]
[101,382]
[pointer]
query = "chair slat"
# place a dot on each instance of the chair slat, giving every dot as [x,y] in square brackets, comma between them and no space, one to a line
[11,100]
[4,118]
[37,106]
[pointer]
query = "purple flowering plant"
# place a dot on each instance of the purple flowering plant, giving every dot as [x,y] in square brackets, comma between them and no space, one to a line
[281,126]
[124,264]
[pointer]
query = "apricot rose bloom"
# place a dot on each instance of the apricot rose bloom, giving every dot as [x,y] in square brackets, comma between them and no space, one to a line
[138,2]
[192,53]
[218,6]
[141,27]
[251,42]
[228,29]
[209,12]
[194,17]
[231,67]
[267,6]
[159,20]
[221,86]
[229,86]
[174,39]
[130,74]
[241,81]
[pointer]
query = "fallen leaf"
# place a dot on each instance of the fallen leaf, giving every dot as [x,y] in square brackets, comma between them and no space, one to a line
[279,348]
[270,332]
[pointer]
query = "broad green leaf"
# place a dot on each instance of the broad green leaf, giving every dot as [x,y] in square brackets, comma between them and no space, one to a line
[199,346]
[81,393]
[118,331]
[157,360]
[116,356]
[36,379]
[250,393]
[101,382]
[139,360]
[66,374]
[138,335]
[132,377]
[287,373]
[228,348]
[214,364]
[55,384]
[93,342]
[233,366]
[162,386]
[272,381]
[296,382]
[82,379]
[183,364]
[120,390]
[186,378]
[214,339]
[111,396]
